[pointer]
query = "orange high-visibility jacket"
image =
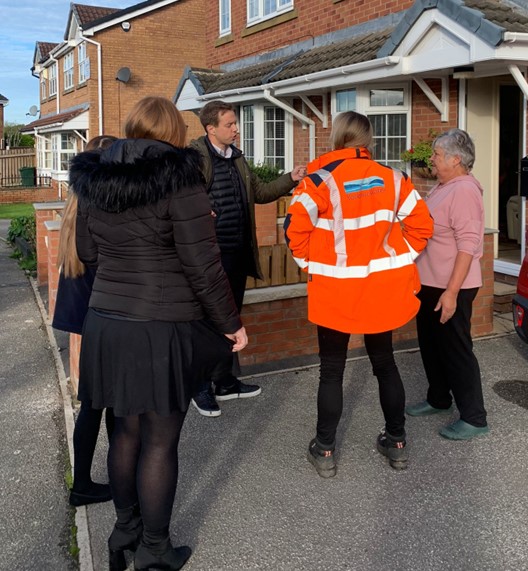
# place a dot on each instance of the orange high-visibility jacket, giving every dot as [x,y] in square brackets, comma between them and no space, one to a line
[356,227]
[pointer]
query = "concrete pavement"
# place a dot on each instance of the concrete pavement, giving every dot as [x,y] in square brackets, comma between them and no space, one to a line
[249,500]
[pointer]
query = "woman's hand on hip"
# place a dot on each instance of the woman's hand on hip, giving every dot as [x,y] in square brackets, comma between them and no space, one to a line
[447,302]
[239,338]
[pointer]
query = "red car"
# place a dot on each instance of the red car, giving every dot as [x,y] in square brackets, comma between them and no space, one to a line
[520,302]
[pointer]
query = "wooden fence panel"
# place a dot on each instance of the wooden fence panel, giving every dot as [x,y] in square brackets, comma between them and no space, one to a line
[278,268]
[11,161]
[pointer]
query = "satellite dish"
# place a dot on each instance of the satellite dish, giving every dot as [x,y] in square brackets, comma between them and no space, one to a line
[123,75]
[33,110]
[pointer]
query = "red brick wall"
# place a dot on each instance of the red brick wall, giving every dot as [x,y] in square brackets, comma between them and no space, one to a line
[27,195]
[314,17]
[53,272]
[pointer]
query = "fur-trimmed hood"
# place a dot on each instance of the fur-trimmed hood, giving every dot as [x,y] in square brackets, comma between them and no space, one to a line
[132,173]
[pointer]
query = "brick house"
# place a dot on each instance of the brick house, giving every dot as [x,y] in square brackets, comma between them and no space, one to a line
[3,102]
[412,67]
[108,60]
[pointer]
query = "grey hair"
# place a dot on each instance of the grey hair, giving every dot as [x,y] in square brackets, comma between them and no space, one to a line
[457,143]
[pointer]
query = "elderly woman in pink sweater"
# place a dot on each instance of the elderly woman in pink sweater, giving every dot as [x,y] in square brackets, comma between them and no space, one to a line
[450,275]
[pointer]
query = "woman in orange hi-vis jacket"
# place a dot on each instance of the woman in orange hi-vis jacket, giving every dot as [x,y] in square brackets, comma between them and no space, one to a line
[356,227]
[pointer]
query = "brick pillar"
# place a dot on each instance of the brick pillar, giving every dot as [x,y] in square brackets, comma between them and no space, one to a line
[482,318]
[44,212]
[266,219]
[52,228]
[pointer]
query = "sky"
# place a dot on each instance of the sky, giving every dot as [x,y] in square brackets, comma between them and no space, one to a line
[22,24]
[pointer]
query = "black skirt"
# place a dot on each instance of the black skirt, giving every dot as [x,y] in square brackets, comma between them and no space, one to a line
[141,366]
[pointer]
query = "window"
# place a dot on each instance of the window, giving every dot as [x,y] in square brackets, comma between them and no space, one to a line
[345,100]
[53,80]
[225,17]
[388,109]
[390,138]
[43,87]
[258,10]
[84,63]
[64,148]
[44,155]
[248,137]
[263,133]
[274,137]
[68,70]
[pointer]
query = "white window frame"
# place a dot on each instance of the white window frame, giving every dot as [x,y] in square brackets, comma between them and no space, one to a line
[67,67]
[224,17]
[44,153]
[83,63]
[259,156]
[62,154]
[43,87]
[52,79]
[363,106]
[256,8]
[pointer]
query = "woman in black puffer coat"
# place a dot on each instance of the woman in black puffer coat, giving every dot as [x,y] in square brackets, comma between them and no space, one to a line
[159,300]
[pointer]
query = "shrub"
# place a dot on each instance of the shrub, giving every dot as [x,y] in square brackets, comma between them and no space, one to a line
[265,172]
[23,227]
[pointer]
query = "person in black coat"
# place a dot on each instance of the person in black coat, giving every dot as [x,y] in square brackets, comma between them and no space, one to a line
[73,294]
[161,309]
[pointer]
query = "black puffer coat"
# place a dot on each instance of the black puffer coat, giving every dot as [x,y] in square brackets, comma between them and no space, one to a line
[145,220]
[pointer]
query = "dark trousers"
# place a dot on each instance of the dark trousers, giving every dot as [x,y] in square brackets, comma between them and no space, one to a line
[333,352]
[237,276]
[447,354]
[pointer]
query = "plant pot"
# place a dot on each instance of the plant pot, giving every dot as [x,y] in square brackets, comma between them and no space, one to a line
[422,171]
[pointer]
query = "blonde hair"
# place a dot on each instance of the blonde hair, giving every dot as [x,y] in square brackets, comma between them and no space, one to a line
[67,257]
[351,129]
[156,118]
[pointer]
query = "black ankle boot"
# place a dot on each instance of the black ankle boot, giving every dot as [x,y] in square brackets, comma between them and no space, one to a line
[125,536]
[155,554]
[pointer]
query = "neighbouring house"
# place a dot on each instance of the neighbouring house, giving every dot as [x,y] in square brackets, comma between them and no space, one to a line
[412,67]
[3,102]
[108,60]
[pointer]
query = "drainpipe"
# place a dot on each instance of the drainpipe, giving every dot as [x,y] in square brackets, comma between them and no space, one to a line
[99,80]
[300,116]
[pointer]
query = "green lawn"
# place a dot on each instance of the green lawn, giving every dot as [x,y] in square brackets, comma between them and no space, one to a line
[14,210]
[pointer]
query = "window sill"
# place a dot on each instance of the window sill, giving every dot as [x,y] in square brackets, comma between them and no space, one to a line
[222,40]
[272,22]
[69,90]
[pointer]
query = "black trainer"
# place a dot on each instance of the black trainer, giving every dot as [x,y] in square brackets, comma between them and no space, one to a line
[394,449]
[238,390]
[205,403]
[322,460]
[94,494]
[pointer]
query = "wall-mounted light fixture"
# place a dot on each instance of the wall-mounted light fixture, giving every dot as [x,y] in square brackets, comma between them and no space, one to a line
[126,26]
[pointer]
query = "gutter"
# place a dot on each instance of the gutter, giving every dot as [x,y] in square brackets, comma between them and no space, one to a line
[512,37]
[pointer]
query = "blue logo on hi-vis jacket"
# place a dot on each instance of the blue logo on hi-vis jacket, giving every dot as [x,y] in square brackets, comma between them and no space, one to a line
[363,184]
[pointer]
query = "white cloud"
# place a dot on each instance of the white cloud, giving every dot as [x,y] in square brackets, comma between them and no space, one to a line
[22,24]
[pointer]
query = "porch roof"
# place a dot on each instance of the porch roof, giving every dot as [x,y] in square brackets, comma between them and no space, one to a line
[359,55]
[56,120]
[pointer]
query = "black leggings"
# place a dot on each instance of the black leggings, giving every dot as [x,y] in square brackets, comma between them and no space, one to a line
[85,436]
[143,465]
[333,347]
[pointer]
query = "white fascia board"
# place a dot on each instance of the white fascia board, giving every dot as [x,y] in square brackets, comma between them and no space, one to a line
[236,95]
[126,17]
[188,98]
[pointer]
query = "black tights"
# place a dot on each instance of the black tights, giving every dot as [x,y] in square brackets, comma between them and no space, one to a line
[85,436]
[333,352]
[143,465]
